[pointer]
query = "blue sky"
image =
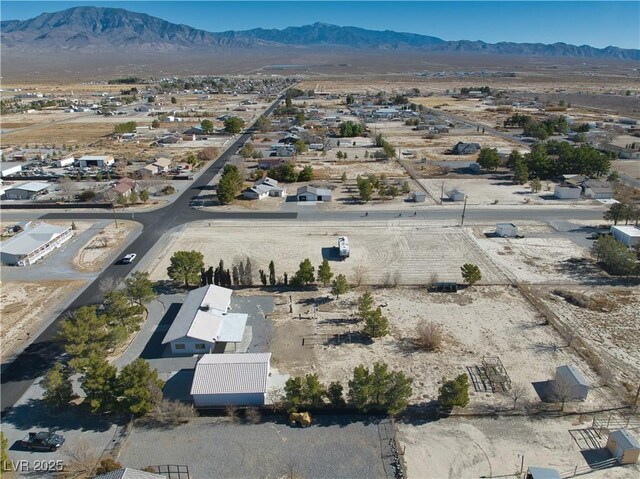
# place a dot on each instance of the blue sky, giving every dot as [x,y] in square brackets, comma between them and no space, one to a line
[596,23]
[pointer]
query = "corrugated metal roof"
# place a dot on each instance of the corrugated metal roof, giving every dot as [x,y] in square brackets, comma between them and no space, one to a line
[32,238]
[32,186]
[231,373]
[200,316]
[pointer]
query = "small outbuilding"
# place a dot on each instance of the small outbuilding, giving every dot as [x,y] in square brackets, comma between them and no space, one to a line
[571,379]
[598,190]
[506,230]
[567,191]
[623,446]
[419,196]
[628,235]
[462,148]
[65,162]
[542,473]
[241,379]
[97,161]
[27,191]
[310,193]
[8,168]
[456,194]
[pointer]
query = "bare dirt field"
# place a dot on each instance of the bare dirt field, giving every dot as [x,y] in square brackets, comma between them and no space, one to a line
[24,305]
[396,252]
[96,252]
[483,191]
[545,259]
[628,167]
[494,447]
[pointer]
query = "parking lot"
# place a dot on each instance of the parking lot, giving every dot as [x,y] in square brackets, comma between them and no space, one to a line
[212,447]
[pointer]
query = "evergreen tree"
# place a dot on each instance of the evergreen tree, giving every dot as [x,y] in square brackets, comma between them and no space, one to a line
[324,273]
[185,266]
[340,286]
[272,273]
[99,384]
[57,386]
[471,273]
[140,386]
[305,274]
[454,392]
[376,324]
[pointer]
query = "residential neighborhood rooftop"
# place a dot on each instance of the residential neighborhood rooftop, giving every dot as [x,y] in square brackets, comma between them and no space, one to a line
[231,373]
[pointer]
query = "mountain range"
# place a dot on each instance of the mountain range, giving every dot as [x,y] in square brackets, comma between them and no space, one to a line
[113,30]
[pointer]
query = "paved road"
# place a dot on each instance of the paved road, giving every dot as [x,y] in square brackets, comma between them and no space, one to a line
[43,352]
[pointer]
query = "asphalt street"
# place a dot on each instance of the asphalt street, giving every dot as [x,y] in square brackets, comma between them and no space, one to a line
[41,354]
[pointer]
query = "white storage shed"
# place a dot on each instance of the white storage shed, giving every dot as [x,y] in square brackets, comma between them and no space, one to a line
[419,196]
[623,446]
[97,161]
[456,194]
[8,168]
[506,230]
[570,378]
[567,192]
[65,162]
[237,379]
[628,235]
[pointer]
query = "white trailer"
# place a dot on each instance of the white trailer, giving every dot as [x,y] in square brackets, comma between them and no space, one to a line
[343,247]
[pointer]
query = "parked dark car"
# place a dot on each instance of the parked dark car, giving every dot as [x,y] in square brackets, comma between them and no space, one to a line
[43,441]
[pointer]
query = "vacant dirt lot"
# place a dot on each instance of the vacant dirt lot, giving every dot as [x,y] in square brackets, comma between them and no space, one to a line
[494,447]
[24,305]
[96,252]
[394,252]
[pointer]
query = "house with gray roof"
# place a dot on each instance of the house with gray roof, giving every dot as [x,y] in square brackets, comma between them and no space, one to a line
[465,148]
[236,379]
[33,243]
[311,193]
[204,321]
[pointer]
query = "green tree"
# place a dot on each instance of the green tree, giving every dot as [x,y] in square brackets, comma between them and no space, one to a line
[454,392]
[99,383]
[513,158]
[300,146]
[122,200]
[272,273]
[58,390]
[133,197]
[305,274]
[365,305]
[489,159]
[388,151]
[185,266]
[536,185]
[365,188]
[343,177]
[306,174]
[339,285]
[470,273]
[247,150]
[233,125]
[99,176]
[324,273]
[144,196]
[229,185]
[313,392]
[83,334]
[405,187]
[139,288]
[128,127]
[293,394]
[174,100]
[207,126]
[140,387]
[380,389]
[263,124]
[617,212]
[520,172]
[376,324]
[4,459]
[615,257]
[335,394]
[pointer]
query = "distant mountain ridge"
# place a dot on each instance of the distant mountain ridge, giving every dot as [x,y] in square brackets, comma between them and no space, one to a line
[93,29]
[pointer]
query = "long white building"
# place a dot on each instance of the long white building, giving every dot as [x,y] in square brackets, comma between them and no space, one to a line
[32,244]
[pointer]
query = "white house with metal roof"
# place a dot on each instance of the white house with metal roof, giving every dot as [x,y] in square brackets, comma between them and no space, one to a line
[629,235]
[204,321]
[237,379]
[26,191]
[33,243]
[311,193]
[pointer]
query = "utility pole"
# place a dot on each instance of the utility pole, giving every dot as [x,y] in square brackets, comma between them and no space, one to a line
[464,209]
[115,219]
[442,193]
